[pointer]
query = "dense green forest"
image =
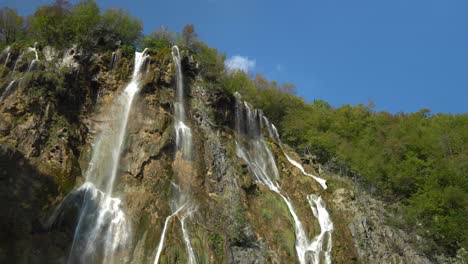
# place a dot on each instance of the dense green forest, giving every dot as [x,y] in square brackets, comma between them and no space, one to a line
[418,160]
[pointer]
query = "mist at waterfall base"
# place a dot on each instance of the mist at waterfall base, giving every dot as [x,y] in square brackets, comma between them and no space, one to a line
[103,231]
[252,148]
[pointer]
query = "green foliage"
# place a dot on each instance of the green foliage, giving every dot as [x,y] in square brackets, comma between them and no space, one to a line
[83,22]
[49,23]
[211,62]
[117,26]
[216,243]
[11,25]
[160,39]
[418,159]
[62,24]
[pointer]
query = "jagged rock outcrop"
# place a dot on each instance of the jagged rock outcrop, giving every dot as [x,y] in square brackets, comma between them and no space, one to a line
[47,128]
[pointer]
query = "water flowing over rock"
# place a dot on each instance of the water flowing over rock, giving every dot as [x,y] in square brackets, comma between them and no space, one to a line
[181,204]
[8,89]
[122,159]
[253,149]
[103,230]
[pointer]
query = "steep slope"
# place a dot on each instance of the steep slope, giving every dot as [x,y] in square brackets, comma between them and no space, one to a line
[233,210]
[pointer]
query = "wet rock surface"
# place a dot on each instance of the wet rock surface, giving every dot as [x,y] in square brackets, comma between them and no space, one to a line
[46,142]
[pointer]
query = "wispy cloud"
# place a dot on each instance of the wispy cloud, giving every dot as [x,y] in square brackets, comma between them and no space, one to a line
[240,63]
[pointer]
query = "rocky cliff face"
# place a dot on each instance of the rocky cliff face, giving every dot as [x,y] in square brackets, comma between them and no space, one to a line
[48,123]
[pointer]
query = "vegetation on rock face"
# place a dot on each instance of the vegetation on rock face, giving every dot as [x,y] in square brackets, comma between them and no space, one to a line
[419,160]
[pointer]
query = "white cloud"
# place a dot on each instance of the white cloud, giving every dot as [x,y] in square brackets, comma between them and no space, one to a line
[240,63]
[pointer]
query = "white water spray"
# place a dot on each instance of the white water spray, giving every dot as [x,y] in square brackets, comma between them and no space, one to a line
[102,227]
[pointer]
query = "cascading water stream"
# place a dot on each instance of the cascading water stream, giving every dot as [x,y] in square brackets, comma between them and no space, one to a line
[10,86]
[326,227]
[182,166]
[36,59]
[163,234]
[183,132]
[7,59]
[20,57]
[316,204]
[252,148]
[7,51]
[102,228]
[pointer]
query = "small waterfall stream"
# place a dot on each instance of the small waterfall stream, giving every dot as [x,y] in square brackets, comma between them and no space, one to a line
[15,81]
[10,86]
[316,204]
[181,198]
[253,149]
[20,57]
[102,227]
[36,59]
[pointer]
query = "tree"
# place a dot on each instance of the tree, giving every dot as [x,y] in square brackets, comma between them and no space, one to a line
[161,38]
[48,24]
[10,25]
[83,21]
[118,27]
[288,88]
[189,35]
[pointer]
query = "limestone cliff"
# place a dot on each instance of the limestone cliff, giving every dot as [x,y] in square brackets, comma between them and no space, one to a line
[48,122]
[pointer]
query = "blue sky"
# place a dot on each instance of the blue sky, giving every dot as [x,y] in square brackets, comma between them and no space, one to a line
[403,55]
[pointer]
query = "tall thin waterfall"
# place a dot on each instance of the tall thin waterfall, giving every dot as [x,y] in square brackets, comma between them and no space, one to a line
[183,132]
[181,205]
[253,149]
[103,229]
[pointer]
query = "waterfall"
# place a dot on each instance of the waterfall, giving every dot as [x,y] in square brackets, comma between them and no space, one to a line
[326,227]
[36,59]
[114,60]
[7,59]
[181,198]
[10,86]
[7,51]
[252,148]
[102,227]
[18,60]
[163,234]
[187,242]
[273,132]
[321,181]
[183,132]
[316,203]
